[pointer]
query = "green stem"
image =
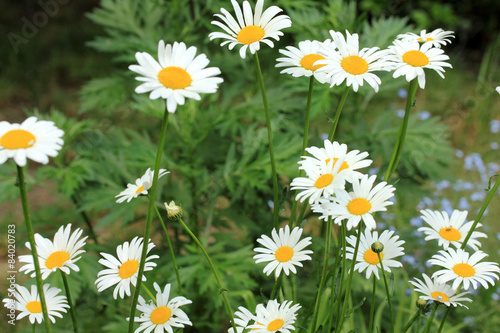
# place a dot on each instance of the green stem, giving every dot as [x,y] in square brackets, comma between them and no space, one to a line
[419,320]
[276,207]
[70,302]
[412,320]
[372,306]
[342,274]
[444,319]
[33,328]
[336,118]
[334,297]
[149,219]
[31,237]
[429,321]
[387,292]
[174,262]
[302,211]
[398,147]
[277,286]
[212,267]
[150,294]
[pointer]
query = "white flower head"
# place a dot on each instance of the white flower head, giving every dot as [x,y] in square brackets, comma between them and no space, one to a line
[436,38]
[300,61]
[440,292]
[275,317]
[141,186]
[498,89]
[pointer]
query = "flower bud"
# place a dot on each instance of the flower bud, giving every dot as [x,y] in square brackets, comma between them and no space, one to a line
[421,303]
[174,212]
[377,247]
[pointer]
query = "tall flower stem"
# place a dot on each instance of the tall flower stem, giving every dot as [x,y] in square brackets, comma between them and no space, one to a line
[410,322]
[342,274]
[336,118]
[172,254]
[70,302]
[31,237]
[334,298]
[149,219]
[276,207]
[150,294]
[277,286]
[444,319]
[214,271]
[398,147]
[387,291]
[372,306]
[431,318]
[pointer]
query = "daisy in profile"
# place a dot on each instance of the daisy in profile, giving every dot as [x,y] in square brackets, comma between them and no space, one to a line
[360,204]
[464,269]
[368,259]
[123,271]
[61,253]
[436,38]
[141,186]
[450,229]
[162,315]
[300,61]
[243,319]
[178,74]
[28,303]
[344,61]
[250,28]
[353,160]
[409,59]
[440,292]
[275,317]
[33,139]
[284,251]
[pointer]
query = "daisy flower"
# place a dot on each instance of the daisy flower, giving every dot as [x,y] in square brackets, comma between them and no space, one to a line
[61,253]
[436,38]
[359,204]
[242,319]
[123,271]
[435,291]
[367,259]
[410,59]
[346,62]
[498,89]
[162,315]
[353,159]
[284,251]
[251,28]
[450,229]
[141,186]
[177,74]
[275,317]
[300,61]
[33,139]
[462,268]
[28,303]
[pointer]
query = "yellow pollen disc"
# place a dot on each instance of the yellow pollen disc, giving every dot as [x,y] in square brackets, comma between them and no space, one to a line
[354,65]
[17,139]
[415,58]
[34,307]
[443,297]
[428,39]
[57,259]
[308,61]
[140,189]
[160,315]
[128,268]
[284,253]
[275,325]
[450,234]
[324,181]
[371,257]
[250,34]
[174,77]
[464,270]
[359,206]
[342,167]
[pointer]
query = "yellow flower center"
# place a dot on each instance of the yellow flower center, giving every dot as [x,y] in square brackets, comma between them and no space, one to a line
[160,315]
[275,325]
[284,253]
[34,307]
[250,34]
[324,181]
[174,77]
[371,257]
[308,61]
[359,206]
[354,65]
[57,259]
[140,189]
[426,39]
[442,297]
[415,58]
[335,159]
[464,270]
[450,234]
[128,268]
[17,139]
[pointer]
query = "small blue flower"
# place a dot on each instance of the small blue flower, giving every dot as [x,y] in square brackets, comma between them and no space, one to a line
[459,153]
[463,204]
[270,203]
[424,115]
[402,93]
[494,145]
[400,113]
[416,222]
[495,126]
[324,136]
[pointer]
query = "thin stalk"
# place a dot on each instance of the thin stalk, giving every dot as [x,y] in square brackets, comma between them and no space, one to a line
[429,321]
[150,294]
[444,319]
[31,237]
[277,286]
[333,300]
[372,306]
[387,292]
[33,328]
[270,139]
[174,262]
[149,219]
[302,211]
[70,302]
[412,320]
[294,288]
[398,147]
[336,118]
[85,218]
[214,271]
[342,275]
[419,321]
